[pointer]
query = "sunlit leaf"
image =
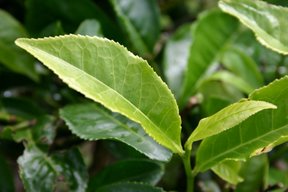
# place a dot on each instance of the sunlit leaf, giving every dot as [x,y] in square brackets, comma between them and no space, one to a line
[109,74]
[89,121]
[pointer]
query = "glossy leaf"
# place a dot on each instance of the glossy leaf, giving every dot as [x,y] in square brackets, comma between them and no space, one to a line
[90,27]
[229,171]
[212,33]
[254,171]
[141,21]
[253,136]
[143,171]
[227,118]
[91,122]
[267,21]
[176,58]
[243,66]
[40,172]
[6,177]
[11,56]
[129,187]
[107,73]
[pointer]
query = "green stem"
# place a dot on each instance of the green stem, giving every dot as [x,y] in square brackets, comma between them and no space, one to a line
[186,158]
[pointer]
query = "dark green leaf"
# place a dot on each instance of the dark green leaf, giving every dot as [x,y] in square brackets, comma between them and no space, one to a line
[141,21]
[6,178]
[129,187]
[90,121]
[143,171]
[58,172]
[11,56]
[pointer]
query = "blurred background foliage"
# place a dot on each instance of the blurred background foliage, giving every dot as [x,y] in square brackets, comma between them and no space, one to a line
[160,31]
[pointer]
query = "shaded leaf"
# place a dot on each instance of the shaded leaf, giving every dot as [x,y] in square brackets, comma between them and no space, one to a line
[227,118]
[109,74]
[253,136]
[229,171]
[141,21]
[89,121]
[176,58]
[63,171]
[130,187]
[212,32]
[90,27]
[268,22]
[11,56]
[6,178]
[143,171]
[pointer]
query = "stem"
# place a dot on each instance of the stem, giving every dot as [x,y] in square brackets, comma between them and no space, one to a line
[187,166]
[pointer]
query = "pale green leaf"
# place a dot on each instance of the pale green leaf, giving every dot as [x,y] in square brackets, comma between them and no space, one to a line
[58,172]
[253,136]
[229,171]
[211,34]
[141,21]
[90,27]
[89,121]
[107,73]
[176,58]
[130,187]
[11,56]
[268,22]
[227,118]
[143,171]
[230,78]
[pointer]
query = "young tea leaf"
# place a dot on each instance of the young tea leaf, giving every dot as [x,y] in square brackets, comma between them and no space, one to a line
[268,22]
[90,121]
[107,73]
[226,119]
[253,136]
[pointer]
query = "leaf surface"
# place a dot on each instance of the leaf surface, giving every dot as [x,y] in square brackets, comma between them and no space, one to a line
[40,172]
[6,177]
[143,171]
[11,56]
[267,21]
[90,27]
[255,135]
[141,21]
[89,121]
[227,118]
[212,32]
[106,72]
[130,187]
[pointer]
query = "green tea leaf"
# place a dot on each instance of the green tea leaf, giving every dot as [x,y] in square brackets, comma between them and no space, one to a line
[229,171]
[212,33]
[6,178]
[89,121]
[268,22]
[143,171]
[11,56]
[130,187]
[141,20]
[106,72]
[176,58]
[90,27]
[255,135]
[227,118]
[59,172]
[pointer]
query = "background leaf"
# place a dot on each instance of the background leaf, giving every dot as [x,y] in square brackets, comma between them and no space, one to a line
[6,177]
[90,121]
[267,21]
[90,27]
[63,171]
[130,187]
[143,171]
[255,135]
[141,21]
[212,32]
[11,56]
[136,91]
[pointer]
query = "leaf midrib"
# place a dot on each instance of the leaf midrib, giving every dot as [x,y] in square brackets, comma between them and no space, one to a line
[241,145]
[176,147]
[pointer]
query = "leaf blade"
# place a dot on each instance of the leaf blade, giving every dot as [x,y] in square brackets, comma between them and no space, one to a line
[146,100]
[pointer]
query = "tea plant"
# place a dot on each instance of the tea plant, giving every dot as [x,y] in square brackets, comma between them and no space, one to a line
[210,67]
